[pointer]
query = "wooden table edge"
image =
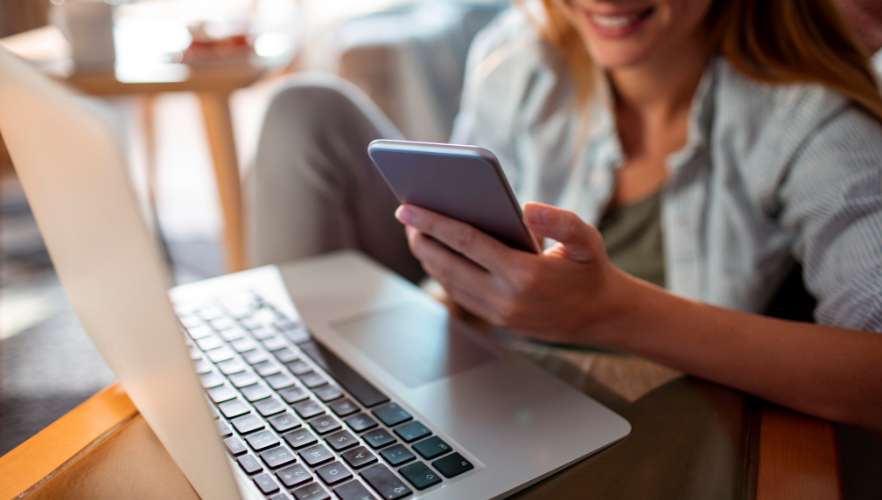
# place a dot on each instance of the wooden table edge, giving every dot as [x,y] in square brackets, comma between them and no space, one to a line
[74,434]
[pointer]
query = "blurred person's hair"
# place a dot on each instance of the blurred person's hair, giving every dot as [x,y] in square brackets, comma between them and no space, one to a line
[772,41]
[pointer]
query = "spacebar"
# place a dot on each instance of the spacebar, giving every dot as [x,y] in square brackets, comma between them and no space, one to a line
[361,389]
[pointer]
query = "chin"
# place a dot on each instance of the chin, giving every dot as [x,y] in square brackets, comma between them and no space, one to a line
[617,59]
[618,55]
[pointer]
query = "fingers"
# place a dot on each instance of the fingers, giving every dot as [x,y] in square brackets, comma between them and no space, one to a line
[582,242]
[445,266]
[465,239]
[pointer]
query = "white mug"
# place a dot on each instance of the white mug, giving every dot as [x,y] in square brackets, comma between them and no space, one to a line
[88,27]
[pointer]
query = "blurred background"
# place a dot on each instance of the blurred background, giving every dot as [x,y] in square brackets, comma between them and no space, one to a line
[189,81]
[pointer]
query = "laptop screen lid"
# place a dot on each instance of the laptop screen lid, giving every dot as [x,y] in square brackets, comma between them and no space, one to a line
[72,167]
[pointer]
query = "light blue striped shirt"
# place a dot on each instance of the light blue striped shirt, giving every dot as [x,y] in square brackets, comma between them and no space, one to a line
[772,175]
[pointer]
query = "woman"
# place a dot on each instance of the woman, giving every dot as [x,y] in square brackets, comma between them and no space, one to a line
[690,156]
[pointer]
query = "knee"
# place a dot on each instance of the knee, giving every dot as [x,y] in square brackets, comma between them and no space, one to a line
[307,105]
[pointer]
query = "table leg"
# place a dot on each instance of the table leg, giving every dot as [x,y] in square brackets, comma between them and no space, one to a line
[148,125]
[219,132]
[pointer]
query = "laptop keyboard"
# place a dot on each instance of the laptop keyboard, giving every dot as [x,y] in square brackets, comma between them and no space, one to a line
[301,422]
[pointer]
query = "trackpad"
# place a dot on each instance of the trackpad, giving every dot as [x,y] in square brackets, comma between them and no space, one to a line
[414,343]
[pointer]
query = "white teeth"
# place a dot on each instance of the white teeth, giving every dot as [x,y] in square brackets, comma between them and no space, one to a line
[613,21]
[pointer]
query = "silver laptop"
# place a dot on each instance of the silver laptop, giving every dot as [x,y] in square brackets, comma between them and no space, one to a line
[330,377]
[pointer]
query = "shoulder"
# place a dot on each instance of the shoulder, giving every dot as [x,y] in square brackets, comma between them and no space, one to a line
[765,128]
[510,58]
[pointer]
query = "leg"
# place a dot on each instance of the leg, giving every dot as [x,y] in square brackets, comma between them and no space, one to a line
[313,188]
[219,131]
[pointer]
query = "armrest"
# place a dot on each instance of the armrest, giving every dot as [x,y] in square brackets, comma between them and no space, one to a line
[798,457]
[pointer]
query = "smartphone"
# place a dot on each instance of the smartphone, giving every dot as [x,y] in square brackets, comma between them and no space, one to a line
[462,182]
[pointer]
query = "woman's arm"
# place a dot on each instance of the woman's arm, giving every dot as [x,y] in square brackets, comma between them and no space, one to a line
[573,293]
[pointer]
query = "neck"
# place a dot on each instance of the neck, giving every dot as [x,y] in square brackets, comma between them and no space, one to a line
[662,90]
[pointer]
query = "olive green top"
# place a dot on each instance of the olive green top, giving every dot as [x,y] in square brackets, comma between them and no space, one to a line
[633,237]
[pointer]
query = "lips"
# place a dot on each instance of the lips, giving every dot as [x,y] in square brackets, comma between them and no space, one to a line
[619,23]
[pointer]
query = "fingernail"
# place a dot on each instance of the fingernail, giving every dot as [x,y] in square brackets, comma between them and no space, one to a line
[404,214]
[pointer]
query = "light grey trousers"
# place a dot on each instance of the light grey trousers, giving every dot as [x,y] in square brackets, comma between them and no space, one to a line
[313,189]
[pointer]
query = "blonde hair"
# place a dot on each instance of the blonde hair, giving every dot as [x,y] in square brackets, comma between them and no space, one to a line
[772,41]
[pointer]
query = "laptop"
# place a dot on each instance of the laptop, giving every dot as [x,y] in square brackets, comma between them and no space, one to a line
[326,378]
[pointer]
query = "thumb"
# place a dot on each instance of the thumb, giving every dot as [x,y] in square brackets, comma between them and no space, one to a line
[581,241]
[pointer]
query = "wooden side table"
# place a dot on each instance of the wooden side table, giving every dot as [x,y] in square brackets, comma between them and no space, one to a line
[212,84]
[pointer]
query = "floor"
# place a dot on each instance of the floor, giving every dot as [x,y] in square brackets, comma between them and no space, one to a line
[47,363]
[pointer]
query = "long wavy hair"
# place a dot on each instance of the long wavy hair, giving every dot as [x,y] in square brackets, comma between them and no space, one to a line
[772,41]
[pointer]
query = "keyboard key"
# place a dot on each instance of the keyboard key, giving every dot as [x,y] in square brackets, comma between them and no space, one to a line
[391,414]
[298,367]
[235,445]
[262,440]
[280,496]
[243,344]
[397,454]
[452,465]
[312,491]
[359,457]
[297,335]
[221,393]
[267,367]
[387,484]
[247,423]
[293,394]
[277,457]
[360,422]
[328,392]
[243,379]
[275,343]
[234,408]
[249,464]
[256,392]
[280,380]
[412,431]
[352,381]
[293,476]
[224,429]
[341,440]
[254,357]
[231,366]
[203,367]
[308,408]
[283,324]
[431,448]
[324,424]
[312,379]
[353,490]
[420,476]
[209,342]
[192,322]
[285,355]
[222,323]
[269,406]
[266,483]
[334,473]
[300,438]
[378,438]
[221,354]
[201,331]
[284,422]
[232,334]
[315,455]
[262,332]
[343,407]
[212,379]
